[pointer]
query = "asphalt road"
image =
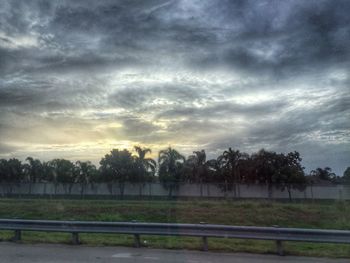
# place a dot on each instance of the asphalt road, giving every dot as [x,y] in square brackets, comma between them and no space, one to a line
[40,253]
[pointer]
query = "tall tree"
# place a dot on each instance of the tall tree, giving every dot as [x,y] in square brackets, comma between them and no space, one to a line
[290,173]
[170,169]
[346,176]
[11,173]
[85,173]
[145,167]
[34,171]
[218,173]
[117,167]
[324,174]
[266,168]
[231,161]
[198,168]
[63,173]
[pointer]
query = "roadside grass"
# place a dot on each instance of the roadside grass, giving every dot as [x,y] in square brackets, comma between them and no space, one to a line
[326,215]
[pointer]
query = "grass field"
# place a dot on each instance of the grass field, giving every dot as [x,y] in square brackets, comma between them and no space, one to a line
[327,215]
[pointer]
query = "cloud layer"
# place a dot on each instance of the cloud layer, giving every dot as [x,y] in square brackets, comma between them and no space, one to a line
[80,77]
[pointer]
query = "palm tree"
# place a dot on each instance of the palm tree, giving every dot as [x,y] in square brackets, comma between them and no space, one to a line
[170,168]
[146,167]
[198,166]
[147,164]
[84,172]
[231,161]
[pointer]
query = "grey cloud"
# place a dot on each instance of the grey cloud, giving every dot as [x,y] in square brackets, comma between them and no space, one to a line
[6,149]
[225,109]
[140,95]
[58,57]
[135,127]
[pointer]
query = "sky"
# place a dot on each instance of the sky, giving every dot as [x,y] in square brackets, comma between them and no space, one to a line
[78,78]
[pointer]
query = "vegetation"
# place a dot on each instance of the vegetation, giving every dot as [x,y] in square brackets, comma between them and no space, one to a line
[228,171]
[171,168]
[326,215]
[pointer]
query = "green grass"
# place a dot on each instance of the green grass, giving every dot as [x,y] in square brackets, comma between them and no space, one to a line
[327,215]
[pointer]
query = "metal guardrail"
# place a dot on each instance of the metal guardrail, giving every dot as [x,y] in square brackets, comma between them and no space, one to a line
[194,230]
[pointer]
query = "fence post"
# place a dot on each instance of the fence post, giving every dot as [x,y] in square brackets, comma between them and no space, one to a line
[17,236]
[75,238]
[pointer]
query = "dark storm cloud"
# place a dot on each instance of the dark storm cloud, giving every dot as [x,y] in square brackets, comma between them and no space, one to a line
[186,63]
[288,38]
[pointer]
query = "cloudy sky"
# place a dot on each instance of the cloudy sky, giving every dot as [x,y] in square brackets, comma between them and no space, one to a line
[78,78]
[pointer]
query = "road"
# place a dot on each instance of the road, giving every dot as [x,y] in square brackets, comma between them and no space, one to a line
[48,253]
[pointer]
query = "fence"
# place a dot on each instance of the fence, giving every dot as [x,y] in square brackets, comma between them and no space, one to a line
[336,192]
[194,230]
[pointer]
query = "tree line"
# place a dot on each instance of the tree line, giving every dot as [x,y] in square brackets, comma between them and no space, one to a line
[228,171]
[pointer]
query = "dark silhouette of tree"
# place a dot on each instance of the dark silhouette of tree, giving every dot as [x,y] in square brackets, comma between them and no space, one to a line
[197,169]
[4,174]
[346,176]
[145,167]
[266,168]
[34,171]
[11,173]
[63,173]
[231,161]
[171,164]
[247,170]
[117,167]
[324,174]
[84,174]
[219,174]
[290,174]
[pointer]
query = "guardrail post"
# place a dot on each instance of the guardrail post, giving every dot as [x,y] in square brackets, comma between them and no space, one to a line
[137,242]
[279,247]
[75,238]
[204,239]
[205,243]
[17,236]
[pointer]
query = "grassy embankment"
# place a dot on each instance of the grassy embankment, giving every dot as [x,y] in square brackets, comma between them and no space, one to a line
[327,215]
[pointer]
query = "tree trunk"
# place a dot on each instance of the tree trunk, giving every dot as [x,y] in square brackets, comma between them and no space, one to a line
[110,188]
[82,191]
[170,192]
[269,189]
[70,186]
[289,195]
[30,187]
[121,189]
[150,189]
[140,190]
[234,183]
